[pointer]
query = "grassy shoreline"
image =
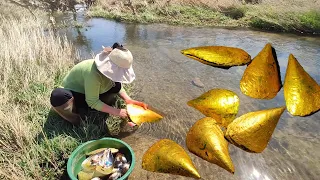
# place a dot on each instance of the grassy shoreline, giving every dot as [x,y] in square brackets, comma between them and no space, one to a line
[35,142]
[33,62]
[266,17]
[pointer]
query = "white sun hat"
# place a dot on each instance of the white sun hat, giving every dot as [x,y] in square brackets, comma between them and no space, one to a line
[116,65]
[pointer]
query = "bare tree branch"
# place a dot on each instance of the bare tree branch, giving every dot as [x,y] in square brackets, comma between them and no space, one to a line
[23,5]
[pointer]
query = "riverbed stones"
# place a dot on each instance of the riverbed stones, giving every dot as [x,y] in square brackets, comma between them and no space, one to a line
[197,82]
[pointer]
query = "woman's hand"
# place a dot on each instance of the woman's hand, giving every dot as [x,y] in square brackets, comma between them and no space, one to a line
[106,49]
[114,111]
[142,104]
[123,113]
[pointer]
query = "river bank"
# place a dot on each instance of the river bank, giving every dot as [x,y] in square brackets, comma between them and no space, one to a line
[300,17]
[34,141]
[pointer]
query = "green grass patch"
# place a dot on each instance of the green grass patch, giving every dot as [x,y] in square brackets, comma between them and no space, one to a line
[28,95]
[234,12]
[265,24]
[277,17]
[174,14]
[311,21]
[308,22]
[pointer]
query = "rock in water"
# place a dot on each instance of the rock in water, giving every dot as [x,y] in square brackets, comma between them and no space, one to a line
[220,104]
[261,79]
[166,156]
[301,91]
[206,140]
[252,131]
[218,56]
[197,82]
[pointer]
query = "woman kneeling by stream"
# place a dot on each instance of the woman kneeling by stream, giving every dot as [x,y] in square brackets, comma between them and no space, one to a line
[94,83]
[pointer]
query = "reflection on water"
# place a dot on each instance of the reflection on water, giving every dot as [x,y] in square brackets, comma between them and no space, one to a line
[164,78]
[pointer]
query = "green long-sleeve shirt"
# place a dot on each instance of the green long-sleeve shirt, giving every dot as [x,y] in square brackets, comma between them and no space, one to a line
[85,78]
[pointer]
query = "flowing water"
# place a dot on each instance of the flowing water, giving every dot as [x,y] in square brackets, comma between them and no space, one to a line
[164,80]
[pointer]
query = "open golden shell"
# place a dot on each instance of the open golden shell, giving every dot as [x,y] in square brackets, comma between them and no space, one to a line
[139,115]
[261,79]
[252,131]
[301,91]
[206,140]
[220,104]
[166,156]
[218,56]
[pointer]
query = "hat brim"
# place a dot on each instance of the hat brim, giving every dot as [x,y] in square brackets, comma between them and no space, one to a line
[112,71]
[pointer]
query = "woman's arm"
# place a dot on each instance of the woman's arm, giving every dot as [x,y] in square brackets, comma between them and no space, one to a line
[92,87]
[116,112]
[124,96]
[128,100]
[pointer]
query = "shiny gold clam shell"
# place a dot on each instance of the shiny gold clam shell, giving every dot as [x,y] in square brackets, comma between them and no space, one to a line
[261,79]
[206,140]
[252,131]
[140,115]
[220,104]
[100,150]
[86,166]
[301,91]
[166,156]
[218,56]
[85,175]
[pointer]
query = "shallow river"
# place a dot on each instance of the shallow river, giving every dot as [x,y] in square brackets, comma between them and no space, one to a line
[164,80]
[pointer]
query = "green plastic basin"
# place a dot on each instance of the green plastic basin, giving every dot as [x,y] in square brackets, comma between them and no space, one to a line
[79,155]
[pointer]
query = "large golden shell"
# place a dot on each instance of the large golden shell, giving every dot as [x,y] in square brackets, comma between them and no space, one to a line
[301,91]
[220,104]
[218,56]
[252,131]
[206,140]
[261,79]
[166,156]
[139,115]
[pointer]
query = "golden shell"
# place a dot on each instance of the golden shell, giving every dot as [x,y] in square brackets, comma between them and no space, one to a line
[261,79]
[252,131]
[166,156]
[218,56]
[301,91]
[206,140]
[220,104]
[140,115]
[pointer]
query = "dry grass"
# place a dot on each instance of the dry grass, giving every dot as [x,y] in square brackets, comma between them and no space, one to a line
[286,15]
[35,143]
[31,60]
